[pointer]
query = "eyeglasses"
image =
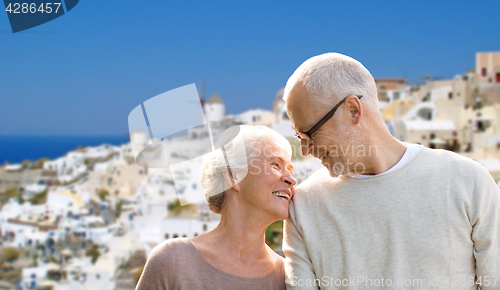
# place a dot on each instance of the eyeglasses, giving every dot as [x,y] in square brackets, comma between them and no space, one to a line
[307,136]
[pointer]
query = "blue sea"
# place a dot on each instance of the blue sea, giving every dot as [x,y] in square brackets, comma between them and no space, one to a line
[17,148]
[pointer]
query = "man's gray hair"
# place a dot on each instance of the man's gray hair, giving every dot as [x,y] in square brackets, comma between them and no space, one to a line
[215,165]
[330,77]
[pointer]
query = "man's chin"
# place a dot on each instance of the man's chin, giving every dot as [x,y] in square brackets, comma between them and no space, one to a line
[334,174]
[332,171]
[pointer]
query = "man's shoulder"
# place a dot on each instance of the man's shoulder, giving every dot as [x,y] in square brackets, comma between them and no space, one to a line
[452,160]
[447,164]
[319,174]
[320,181]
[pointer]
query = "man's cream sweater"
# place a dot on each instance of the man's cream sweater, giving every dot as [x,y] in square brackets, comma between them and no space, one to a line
[432,224]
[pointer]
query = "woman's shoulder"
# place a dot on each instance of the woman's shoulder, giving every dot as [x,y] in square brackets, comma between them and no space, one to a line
[171,244]
[164,263]
[170,250]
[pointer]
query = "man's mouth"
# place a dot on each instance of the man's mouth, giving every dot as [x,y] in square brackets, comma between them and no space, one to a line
[282,195]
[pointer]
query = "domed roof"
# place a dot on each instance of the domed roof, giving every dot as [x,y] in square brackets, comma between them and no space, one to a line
[215,99]
[279,95]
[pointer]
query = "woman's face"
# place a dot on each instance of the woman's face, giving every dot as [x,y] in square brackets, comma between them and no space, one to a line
[269,185]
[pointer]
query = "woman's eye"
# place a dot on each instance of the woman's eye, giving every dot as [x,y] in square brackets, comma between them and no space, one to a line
[276,164]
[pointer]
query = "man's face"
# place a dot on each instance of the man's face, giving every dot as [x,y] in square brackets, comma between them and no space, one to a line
[334,142]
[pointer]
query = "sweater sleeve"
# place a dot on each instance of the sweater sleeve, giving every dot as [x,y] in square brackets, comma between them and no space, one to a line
[485,221]
[298,266]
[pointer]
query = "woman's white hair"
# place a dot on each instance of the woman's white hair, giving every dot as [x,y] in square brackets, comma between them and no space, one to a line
[330,77]
[215,164]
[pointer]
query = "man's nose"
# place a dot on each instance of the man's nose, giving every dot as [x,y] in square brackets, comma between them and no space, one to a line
[305,147]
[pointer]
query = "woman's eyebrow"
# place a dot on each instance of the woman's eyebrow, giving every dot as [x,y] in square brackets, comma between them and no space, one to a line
[275,157]
[282,161]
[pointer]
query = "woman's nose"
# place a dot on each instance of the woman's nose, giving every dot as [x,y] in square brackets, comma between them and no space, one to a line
[288,179]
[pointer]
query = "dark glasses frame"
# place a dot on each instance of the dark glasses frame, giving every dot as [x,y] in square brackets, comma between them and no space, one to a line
[308,135]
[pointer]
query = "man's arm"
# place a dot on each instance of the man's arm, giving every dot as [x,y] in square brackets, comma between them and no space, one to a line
[485,220]
[298,266]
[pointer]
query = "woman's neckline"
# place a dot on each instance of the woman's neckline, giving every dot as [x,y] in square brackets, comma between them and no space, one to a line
[202,260]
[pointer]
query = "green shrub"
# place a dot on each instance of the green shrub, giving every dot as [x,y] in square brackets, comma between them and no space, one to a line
[118,209]
[10,254]
[12,192]
[11,276]
[94,253]
[39,198]
[103,193]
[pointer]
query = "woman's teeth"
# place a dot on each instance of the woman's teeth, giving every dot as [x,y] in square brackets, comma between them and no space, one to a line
[281,194]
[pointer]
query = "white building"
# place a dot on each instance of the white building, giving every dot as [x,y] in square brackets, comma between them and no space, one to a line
[101,152]
[428,133]
[255,117]
[215,109]
[32,277]
[66,198]
[68,167]
[282,125]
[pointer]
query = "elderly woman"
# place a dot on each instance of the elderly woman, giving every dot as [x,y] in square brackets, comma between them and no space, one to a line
[234,255]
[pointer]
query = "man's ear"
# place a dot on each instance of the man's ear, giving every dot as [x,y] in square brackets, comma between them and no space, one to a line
[353,104]
[231,179]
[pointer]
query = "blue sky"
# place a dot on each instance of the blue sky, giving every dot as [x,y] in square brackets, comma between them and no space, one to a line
[84,72]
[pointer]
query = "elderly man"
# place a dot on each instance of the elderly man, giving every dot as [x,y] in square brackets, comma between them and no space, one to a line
[382,213]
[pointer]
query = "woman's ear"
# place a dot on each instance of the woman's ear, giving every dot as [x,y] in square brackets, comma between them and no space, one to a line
[231,180]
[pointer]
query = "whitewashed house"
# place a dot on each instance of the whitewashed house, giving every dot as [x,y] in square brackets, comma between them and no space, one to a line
[69,167]
[32,277]
[256,117]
